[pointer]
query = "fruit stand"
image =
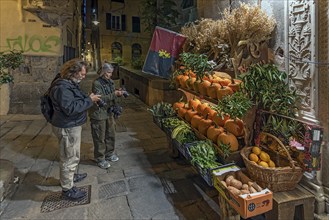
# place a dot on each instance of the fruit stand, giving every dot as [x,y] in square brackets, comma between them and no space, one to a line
[239,129]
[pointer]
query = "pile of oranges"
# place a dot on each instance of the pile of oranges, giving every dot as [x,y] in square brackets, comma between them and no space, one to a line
[261,157]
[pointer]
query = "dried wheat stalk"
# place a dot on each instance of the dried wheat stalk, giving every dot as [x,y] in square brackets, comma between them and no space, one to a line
[246,25]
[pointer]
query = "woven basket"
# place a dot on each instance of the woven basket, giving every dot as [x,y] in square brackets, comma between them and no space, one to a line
[281,178]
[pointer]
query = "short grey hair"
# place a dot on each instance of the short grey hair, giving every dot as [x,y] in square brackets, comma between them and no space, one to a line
[105,68]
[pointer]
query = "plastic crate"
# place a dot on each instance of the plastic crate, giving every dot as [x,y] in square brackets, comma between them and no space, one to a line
[206,174]
[182,148]
[167,130]
[158,121]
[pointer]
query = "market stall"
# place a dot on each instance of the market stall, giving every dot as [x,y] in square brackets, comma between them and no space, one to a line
[238,127]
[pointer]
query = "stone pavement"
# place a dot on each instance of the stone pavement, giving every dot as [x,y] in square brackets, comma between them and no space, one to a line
[146,183]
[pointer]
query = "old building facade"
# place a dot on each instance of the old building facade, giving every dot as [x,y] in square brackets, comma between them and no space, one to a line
[51,31]
[48,33]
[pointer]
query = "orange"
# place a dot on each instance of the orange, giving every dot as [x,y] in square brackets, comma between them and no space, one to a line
[256,150]
[253,157]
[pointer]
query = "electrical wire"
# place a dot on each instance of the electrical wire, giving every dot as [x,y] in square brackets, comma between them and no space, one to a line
[300,60]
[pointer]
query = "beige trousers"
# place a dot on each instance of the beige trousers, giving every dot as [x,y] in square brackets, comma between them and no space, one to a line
[69,147]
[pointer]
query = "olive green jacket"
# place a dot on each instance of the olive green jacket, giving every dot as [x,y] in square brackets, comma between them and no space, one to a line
[106,89]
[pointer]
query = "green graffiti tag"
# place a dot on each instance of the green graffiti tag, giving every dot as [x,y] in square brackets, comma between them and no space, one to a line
[35,43]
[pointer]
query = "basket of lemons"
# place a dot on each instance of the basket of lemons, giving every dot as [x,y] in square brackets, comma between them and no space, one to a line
[270,169]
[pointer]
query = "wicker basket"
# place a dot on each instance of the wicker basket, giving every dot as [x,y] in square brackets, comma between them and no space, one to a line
[281,178]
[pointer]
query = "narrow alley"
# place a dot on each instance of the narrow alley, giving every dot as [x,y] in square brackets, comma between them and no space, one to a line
[146,183]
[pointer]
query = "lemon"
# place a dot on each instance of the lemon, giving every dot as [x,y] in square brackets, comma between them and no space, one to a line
[253,162]
[253,157]
[256,150]
[271,163]
[264,156]
[263,164]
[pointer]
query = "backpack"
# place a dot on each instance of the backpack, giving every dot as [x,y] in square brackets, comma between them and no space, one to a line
[46,104]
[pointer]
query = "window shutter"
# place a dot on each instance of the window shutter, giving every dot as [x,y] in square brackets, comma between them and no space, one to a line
[136,24]
[108,21]
[123,22]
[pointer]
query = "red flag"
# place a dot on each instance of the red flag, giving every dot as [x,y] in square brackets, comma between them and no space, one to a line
[164,49]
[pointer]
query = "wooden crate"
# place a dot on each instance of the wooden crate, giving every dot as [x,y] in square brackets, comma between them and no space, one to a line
[290,205]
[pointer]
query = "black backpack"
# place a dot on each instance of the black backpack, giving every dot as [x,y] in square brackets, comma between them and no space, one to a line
[46,104]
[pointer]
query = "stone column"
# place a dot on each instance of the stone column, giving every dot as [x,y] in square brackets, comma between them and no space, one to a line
[305,53]
[323,41]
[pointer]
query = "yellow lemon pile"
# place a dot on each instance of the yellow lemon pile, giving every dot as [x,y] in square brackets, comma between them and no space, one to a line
[261,157]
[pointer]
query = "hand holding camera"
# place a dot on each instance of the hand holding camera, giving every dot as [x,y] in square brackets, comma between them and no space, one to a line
[116,110]
[122,92]
[95,97]
[101,103]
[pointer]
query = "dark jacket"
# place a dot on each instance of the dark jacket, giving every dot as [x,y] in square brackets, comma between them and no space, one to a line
[106,89]
[70,104]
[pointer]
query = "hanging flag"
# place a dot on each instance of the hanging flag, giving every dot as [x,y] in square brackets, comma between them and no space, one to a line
[164,49]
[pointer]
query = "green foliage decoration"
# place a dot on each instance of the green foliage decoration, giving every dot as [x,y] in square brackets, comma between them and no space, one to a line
[198,63]
[235,105]
[118,60]
[9,61]
[163,15]
[138,63]
[268,87]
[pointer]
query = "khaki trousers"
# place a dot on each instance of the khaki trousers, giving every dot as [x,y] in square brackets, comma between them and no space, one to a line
[103,133]
[69,146]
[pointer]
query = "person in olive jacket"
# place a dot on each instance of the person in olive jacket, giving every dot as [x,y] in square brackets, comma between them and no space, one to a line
[101,118]
[70,113]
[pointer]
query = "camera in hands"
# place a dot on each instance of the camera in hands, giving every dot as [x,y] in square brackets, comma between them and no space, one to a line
[116,110]
[124,92]
[101,103]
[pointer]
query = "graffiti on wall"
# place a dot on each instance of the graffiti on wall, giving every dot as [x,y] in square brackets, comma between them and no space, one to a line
[35,43]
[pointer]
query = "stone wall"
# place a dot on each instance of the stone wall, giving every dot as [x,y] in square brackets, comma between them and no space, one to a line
[324,91]
[32,79]
[149,88]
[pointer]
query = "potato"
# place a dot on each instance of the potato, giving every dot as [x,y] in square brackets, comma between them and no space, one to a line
[245,186]
[257,187]
[245,191]
[252,189]
[236,183]
[242,177]
[229,179]
[224,183]
[234,191]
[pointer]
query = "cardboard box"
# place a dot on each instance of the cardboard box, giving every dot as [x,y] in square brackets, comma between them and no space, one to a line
[246,205]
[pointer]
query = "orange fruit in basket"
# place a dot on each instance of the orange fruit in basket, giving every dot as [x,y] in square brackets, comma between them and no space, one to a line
[271,164]
[264,156]
[256,150]
[263,164]
[253,157]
